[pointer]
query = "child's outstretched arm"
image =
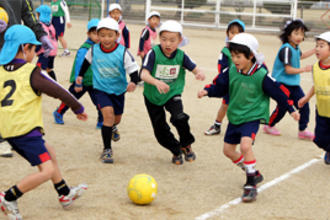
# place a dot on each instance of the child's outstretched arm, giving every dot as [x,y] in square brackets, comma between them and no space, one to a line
[199,75]
[42,83]
[160,85]
[307,53]
[219,87]
[306,98]
[291,70]
[280,94]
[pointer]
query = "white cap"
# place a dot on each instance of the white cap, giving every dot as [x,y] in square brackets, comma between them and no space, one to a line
[171,26]
[251,42]
[108,23]
[153,13]
[324,36]
[114,6]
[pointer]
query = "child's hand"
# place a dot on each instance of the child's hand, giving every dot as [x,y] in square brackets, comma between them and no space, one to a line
[69,25]
[308,68]
[201,93]
[200,76]
[162,87]
[83,116]
[78,84]
[302,102]
[295,115]
[131,87]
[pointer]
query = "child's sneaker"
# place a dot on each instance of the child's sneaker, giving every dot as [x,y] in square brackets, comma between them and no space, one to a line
[177,159]
[65,53]
[99,125]
[9,208]
[327,158]
[115,134]
[305,135]
[75,193]
[5,149]
[250,193]
[107,156]
[271,130]
[189,155]
[213,130]
[58,118]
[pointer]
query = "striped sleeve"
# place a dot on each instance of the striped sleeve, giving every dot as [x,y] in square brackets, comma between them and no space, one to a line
[285,55]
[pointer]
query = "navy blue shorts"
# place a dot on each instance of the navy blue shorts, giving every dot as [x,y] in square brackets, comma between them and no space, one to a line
[31,148]
[59,25]
[45,62]
[115,101]
[234,133]
[322,132]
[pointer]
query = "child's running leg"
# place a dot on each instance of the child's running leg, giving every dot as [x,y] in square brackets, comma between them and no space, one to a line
[66,195]
[92,96]
[180,120]
[216,127]
[108,122]
[162,131]
[60,111]
[275,117]
[296,94]
[250,187]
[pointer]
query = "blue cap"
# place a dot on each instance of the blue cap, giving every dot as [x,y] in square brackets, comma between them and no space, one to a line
[93,23]
[241,23]
[45,13]
[15,36]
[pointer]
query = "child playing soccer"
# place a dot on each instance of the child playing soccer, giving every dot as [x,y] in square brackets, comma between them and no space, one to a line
[115,12]
[163,72]
[249,86]
[287,70]
[224,62]
[321,76]
[149,34]
[87,85]
[61,16]
[110,63]
[44,13]
[21,118]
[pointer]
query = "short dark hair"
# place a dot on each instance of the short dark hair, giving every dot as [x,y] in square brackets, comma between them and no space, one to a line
[238,48]
[317,39]
[235,24]
[92,29]
[290,27]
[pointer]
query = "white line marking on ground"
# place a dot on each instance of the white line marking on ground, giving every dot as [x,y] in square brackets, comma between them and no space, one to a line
[265,186]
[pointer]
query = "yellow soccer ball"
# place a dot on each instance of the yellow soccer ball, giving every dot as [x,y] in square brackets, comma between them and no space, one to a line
[142,189]
[3,15]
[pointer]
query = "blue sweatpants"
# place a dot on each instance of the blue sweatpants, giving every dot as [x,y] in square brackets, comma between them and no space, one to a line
[294,94]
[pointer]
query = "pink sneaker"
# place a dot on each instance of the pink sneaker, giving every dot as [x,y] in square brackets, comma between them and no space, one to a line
[271,130]
[306,135]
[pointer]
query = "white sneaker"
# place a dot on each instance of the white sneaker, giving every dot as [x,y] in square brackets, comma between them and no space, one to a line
[65,53]
[5,149]
[75,193]
[10,209]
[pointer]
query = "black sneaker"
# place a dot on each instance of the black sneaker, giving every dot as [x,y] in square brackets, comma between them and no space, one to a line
[327,158]
[213,130]
[258,177]
[177,159]
[250,193]
[189,155]
[107,156]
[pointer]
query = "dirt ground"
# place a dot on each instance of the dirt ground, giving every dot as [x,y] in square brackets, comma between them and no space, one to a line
[187,191]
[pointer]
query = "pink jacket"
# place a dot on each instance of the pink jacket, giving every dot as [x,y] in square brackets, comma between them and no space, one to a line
[50,30]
